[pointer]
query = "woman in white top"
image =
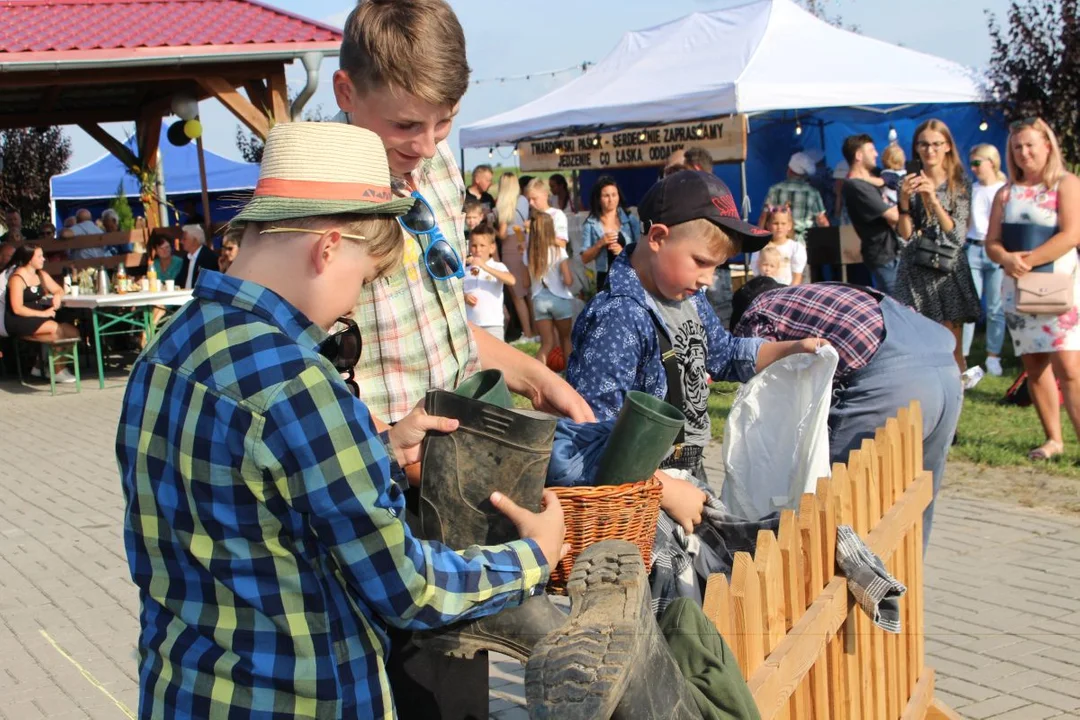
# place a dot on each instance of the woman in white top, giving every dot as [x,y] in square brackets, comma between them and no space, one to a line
[987,274]
[512,217]
[1035,227]
[549,270]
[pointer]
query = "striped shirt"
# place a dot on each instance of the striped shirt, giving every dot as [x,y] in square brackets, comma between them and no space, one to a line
[263,529]
[848,317]
[415,330]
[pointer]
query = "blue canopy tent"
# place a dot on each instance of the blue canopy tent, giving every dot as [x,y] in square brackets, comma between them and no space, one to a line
[95,185]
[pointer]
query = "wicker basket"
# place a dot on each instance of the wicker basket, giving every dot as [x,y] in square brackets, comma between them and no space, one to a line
[607,512]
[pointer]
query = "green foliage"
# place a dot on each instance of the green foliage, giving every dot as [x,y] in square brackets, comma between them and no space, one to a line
[1034,64]
[30,157]
[123,208]
[251,147]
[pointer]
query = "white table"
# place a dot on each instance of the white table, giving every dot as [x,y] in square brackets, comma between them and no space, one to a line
[120,314]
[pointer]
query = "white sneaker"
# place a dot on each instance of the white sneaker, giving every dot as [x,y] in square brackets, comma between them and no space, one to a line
[971,377]
[65,376]
[993,366]
[36,372]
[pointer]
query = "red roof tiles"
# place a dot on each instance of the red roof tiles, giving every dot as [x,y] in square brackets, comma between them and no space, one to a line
[45,26]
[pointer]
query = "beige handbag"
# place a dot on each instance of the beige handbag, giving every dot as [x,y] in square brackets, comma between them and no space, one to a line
[1044,293]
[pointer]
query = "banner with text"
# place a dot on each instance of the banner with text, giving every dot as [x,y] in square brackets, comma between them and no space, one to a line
[724,138]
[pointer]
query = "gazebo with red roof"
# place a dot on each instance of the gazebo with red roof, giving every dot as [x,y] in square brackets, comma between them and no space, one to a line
[86,62]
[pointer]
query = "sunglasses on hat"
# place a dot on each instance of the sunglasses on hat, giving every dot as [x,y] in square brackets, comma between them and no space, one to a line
[440,258]
[342,349]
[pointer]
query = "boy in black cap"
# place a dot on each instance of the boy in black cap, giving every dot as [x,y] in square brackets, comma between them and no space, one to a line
[653,331]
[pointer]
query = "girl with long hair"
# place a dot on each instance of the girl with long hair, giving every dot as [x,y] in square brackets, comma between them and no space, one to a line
[510,230]
[560,193]
[31,302]
[607,230]
[549,271]
[934,277]
[985,163]
[1035,228]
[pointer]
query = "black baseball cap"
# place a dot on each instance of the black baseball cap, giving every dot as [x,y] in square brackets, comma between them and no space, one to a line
[691,195]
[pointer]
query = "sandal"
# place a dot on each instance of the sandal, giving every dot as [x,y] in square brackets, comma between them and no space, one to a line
[1046,452]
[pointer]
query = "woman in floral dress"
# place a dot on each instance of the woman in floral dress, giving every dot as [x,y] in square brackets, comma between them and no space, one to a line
[1041,193]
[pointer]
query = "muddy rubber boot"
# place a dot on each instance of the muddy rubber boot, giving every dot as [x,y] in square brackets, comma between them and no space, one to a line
[610,661]
[493,449]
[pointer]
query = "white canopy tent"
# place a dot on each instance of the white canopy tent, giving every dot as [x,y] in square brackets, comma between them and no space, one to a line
[753,57]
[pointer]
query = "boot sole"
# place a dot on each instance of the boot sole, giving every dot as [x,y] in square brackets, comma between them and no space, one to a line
[465,647]
[582,672]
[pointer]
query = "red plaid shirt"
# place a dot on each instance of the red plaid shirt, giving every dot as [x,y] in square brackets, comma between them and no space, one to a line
[848,317]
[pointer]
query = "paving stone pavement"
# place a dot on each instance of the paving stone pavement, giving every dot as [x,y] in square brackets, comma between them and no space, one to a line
[1002,584]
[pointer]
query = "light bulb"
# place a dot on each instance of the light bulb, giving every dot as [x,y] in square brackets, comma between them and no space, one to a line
[798,129]
[700,131]
[984,126]
[491,153]
[515,151]
[642,136]
[558,151]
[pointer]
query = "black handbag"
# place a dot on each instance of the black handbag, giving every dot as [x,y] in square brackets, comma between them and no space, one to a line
[929,254]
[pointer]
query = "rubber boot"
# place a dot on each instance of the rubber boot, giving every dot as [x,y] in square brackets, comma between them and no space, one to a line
[493,449]
[611,660]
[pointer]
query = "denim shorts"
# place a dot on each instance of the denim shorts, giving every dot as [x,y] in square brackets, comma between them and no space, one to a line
[549,306]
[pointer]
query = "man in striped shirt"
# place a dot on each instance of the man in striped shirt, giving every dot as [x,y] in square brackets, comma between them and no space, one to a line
[889,356]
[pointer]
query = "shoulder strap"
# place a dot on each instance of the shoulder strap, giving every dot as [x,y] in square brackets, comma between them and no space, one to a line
[670,360]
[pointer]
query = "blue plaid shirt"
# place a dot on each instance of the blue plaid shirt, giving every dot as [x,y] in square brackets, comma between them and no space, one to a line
[616,349]
[263,529]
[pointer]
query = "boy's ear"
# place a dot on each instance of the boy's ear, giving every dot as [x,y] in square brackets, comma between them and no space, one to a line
[325,249]
[344,91]
[657,235]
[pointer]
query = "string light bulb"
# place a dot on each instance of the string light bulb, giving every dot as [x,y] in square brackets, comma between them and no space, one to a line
[700,130]
[515,151]
[596,141]
[491,153]
[642,136]
[558,151]
[984,126]
[798,128]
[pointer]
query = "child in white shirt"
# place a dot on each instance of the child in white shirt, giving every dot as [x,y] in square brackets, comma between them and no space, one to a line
[792,254]
[484,280]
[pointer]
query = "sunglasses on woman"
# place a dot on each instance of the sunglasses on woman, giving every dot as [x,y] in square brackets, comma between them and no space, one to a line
[342,349]
[440,258]
[1021,124]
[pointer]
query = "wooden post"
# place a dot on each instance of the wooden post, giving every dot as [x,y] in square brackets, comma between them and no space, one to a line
[237,104]
[810,528]
[746,606]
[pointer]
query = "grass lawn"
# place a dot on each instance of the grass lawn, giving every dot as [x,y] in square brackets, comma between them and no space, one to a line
[989,433]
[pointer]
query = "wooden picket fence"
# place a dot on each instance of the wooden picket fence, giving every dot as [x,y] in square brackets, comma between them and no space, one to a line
[805,648]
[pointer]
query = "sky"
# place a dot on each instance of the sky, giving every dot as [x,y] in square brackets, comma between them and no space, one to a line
[510,37]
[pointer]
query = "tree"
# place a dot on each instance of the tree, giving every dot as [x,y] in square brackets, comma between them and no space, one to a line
[1034,65]
[817,9]
[30,157]
[251,147]
[123,208]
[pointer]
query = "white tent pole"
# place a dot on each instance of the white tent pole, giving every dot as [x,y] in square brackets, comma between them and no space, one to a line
[160,189]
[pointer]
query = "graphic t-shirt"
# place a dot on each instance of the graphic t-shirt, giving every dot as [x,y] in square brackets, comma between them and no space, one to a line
[691,346]
[488,291]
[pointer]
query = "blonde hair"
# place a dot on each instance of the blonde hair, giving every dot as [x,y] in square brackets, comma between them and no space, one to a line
[718,241]
[506,201]
[892,157]
[782,210]
[413,46]
[770,253]
[990,153]
[541,243]
[382,234]
[954,169]
[1055,165]
[537,185]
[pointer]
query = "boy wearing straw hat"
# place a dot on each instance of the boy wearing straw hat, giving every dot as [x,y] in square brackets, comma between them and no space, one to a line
[263,510]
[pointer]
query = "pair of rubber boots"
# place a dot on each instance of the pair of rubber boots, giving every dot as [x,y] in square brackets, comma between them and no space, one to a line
[495,447]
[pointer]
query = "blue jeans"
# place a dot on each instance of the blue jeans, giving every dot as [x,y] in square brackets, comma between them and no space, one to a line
[914,362]
[884,276]
[987,276]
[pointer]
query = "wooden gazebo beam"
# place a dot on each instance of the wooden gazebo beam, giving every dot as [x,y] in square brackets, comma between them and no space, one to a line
[237,104]
[107,141]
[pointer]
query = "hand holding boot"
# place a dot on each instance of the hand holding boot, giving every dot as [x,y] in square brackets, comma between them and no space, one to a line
[408,433]
[547,527]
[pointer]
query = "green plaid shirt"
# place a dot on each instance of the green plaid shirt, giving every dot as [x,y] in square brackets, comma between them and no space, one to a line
[806,203]
[263,529]
[416,334]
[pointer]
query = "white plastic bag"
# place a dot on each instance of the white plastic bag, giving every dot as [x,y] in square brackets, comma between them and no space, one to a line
[776,439]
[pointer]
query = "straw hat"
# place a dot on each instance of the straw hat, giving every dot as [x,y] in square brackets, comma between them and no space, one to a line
[322,168]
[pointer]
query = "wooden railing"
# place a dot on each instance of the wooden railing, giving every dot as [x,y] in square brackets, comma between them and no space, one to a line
[805,648]
[137,238]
